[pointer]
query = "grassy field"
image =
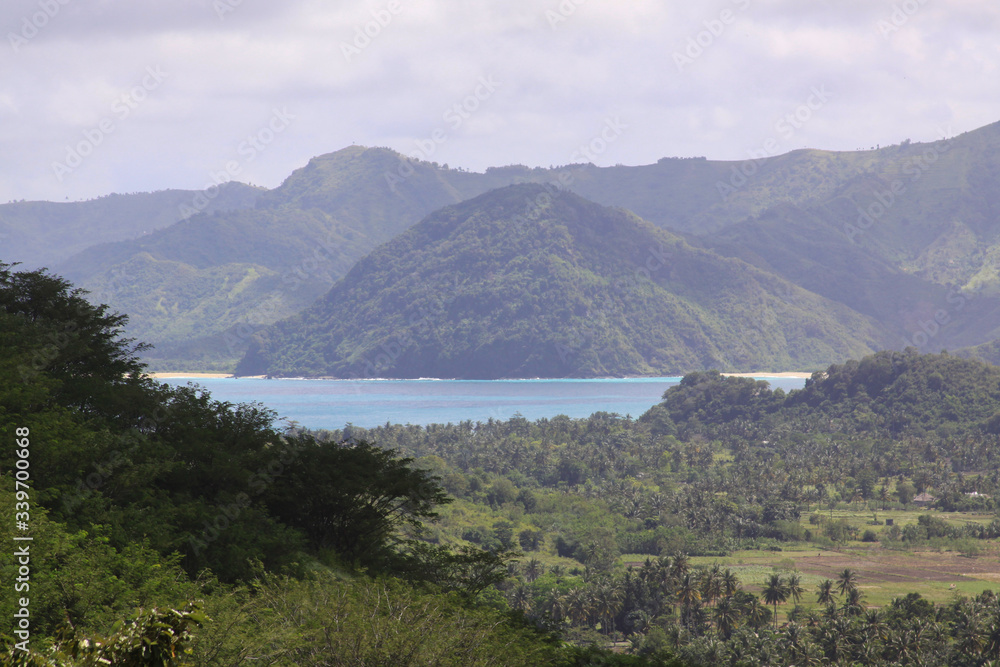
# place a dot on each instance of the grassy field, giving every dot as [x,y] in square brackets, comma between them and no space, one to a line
[936,574]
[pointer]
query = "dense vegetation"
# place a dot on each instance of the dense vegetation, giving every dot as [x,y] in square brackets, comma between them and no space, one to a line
[169,528]
[523,283]
[726,465]
[48,233]
[922,264]
[173,529]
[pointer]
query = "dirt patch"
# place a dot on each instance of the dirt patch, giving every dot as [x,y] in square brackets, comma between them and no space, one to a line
[894,567]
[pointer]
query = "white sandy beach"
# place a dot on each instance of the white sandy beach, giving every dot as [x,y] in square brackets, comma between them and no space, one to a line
[173,376]
[788,374]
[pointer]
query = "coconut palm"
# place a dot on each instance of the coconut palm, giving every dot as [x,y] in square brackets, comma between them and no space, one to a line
[726,616]
[520,598]
[711,584]
[578,606]
[688,595]
[825,592]
[847,580]
[775,592]
[730,583]
[852,602]
[606,603]
[679,566]
[755,612]
[555,605]
[795,589]
[533,569]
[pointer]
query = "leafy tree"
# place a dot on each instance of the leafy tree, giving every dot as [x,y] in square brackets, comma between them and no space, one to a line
[353,498]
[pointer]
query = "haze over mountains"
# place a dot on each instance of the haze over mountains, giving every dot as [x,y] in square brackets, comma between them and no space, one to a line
[792,261]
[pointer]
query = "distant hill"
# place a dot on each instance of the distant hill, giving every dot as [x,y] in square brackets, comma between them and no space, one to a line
[898,392]
[522,283]
[38,233]
[199,289]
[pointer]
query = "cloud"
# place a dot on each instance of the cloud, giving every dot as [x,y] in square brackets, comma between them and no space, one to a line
[381,73]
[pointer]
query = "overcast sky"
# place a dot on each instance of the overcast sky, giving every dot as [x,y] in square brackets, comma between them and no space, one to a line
[101,96]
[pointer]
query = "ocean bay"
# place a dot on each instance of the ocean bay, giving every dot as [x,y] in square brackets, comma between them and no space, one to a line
[331,404]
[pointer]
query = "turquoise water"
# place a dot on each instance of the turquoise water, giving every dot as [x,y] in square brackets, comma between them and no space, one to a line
[334,403]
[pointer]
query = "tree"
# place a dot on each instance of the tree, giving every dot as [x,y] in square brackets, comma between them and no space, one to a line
[726,616]
[847,580]
[775,592]
[795,589]
[825,592]
[905,491]
[149,638]
[353,498]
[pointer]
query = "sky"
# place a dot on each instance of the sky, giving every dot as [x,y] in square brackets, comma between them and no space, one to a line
[103,96]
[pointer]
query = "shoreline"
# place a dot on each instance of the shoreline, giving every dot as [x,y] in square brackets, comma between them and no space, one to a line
[176,375]
[179,375]
[798,375]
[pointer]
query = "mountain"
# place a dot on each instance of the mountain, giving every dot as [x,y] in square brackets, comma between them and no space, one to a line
[38,233]
[527,282]
[923,265]
[198,288]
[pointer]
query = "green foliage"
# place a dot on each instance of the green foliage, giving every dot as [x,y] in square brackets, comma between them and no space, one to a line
[484,290]
[45,233]
[148,638]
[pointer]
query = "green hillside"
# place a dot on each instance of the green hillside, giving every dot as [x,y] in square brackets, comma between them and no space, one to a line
[930,250]
[490,289]
[39,233]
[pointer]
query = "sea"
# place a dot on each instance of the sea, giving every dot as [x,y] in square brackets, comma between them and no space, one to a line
[333,404]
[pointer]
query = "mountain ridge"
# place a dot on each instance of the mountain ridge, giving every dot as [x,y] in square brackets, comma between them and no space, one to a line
[480,291]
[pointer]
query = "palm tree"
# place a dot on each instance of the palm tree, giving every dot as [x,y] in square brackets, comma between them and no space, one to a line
[520,599]
[726,617]
[711,584]
[606,599]
[533,569]
[688,594]
[852,603]
[755,612]
[847,580]
[795,589]
[825,592]
[775,592]
[883,496]
[679,566]
[578,606]
[730,583]
[555,605]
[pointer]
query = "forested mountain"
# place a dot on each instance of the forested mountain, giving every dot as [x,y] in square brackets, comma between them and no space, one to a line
[905,234]
[521,282]
[38,233]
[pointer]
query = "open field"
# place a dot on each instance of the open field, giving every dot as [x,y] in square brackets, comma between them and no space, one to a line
[936,574]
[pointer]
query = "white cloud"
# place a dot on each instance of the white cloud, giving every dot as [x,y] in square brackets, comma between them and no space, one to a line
[559,83]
